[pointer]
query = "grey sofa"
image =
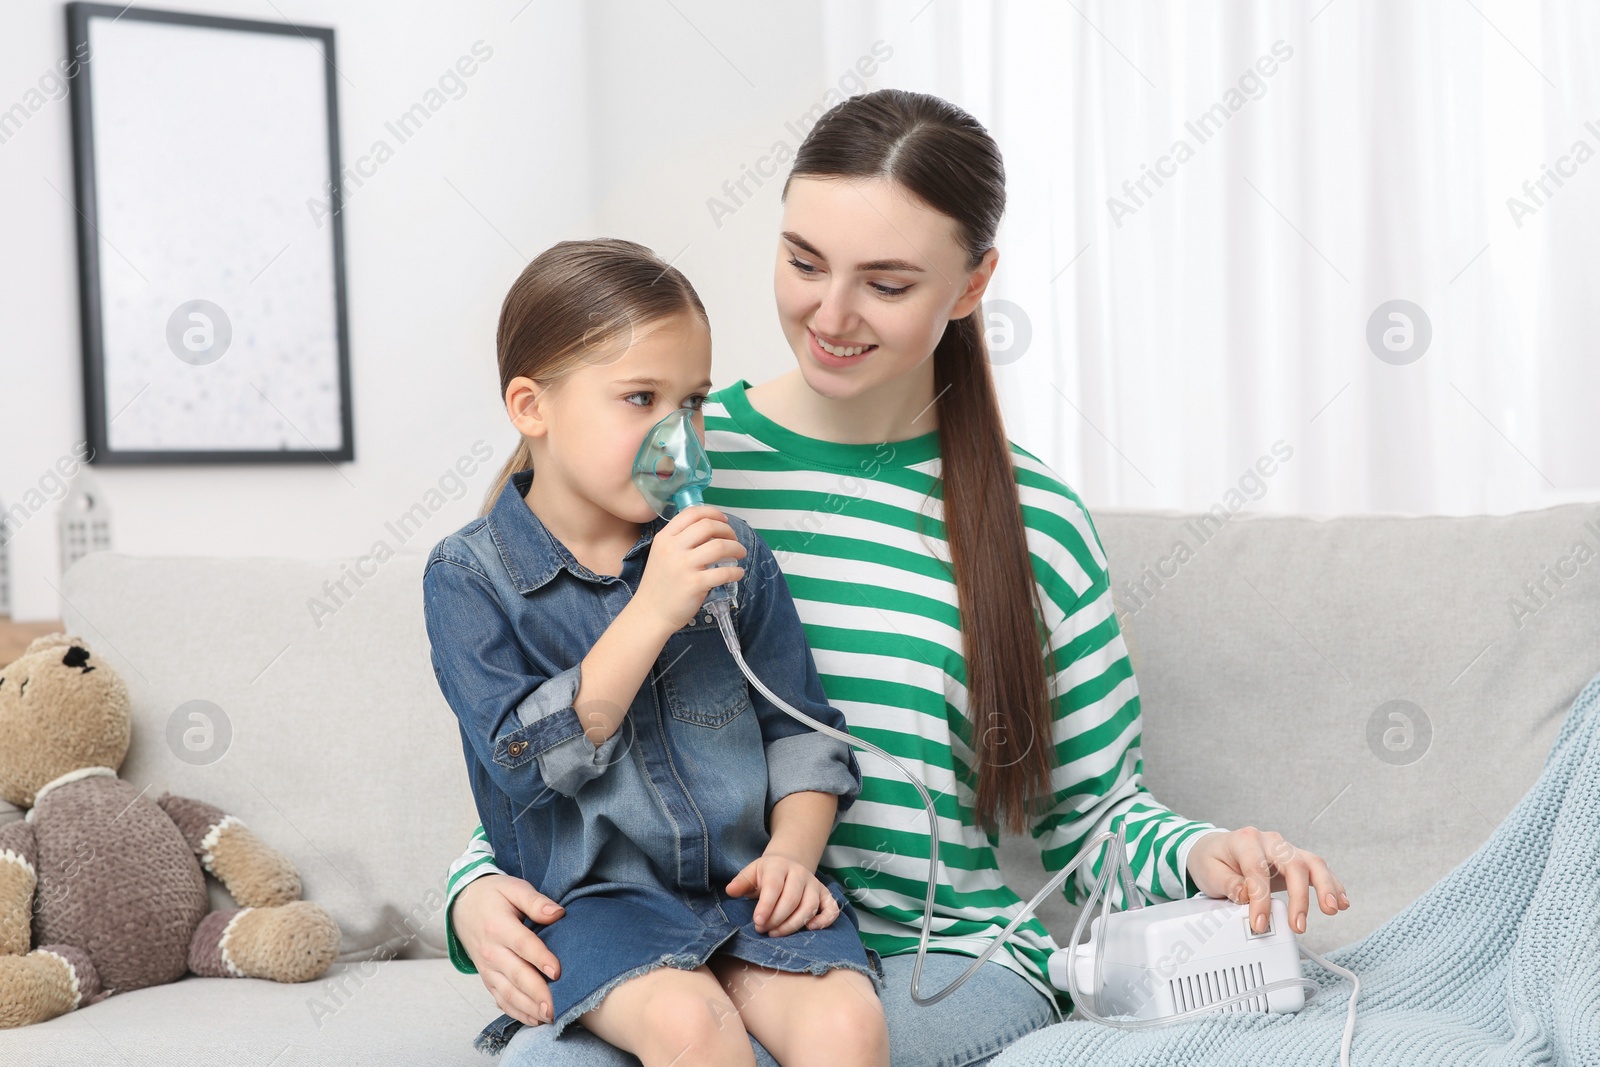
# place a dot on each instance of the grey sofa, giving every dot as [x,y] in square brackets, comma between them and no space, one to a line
[1366,685]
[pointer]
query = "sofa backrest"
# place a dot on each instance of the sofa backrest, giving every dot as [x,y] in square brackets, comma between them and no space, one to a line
[1381,690]
[322,726]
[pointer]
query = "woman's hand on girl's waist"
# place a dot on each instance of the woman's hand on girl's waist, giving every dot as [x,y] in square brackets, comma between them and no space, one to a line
[487,918]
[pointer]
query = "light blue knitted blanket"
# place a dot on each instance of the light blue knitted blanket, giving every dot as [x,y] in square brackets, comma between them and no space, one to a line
[1497,963]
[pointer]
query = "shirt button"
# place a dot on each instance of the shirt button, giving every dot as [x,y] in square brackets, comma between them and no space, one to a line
[708,617]
[517,748]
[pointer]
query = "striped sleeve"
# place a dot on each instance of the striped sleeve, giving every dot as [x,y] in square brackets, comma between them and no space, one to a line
[475,862]
[1097,781]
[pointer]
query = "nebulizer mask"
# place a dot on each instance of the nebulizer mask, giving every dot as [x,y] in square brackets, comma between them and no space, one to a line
[1149,965]
[672,470]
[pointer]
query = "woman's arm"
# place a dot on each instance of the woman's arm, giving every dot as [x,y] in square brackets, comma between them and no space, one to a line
[1098,780]
[476,862]
[489,916]
[1104,789]
[1096,695]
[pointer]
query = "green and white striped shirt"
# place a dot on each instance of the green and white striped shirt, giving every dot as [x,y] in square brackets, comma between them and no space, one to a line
[879,608]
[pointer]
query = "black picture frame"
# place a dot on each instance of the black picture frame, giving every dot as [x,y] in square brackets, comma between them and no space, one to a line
[299,355]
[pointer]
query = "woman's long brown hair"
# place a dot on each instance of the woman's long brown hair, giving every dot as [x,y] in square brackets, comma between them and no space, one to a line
[942,156]
[576,302]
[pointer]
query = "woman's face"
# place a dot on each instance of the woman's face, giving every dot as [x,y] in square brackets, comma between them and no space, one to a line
[864,266]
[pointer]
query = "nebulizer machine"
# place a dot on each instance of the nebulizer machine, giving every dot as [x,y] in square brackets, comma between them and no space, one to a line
[1150,965]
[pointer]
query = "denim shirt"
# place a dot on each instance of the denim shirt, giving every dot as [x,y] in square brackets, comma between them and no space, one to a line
[681,794]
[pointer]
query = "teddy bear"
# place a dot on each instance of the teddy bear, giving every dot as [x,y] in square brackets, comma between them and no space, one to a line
[102,888]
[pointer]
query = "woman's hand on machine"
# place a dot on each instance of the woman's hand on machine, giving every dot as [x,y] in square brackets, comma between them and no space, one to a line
[487,918]
[1248,865]
[789,895]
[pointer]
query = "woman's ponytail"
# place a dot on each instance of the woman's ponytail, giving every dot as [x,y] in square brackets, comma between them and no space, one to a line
[998,598]
[945,158]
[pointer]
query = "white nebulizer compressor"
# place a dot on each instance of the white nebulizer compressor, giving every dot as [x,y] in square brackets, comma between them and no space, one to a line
[1150,965]
[1169,959]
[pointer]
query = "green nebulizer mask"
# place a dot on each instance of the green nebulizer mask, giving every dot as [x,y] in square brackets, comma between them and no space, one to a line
[672,470]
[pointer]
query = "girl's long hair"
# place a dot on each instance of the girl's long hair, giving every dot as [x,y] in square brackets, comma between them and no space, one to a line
[945,158]
[578,302]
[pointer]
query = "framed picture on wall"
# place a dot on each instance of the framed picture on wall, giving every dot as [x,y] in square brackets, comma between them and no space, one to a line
[210,239]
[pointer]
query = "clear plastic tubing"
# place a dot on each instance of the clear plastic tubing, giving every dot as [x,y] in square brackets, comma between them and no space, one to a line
[1101,891]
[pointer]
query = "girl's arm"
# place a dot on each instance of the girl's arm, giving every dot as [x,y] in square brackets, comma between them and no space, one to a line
[811,776]
[611,674]
[789,894]
[801,823]
[674,583]
[517,719]
[523,724]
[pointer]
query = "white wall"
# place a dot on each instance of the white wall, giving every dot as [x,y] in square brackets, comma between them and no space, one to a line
[426,266]
[630,117]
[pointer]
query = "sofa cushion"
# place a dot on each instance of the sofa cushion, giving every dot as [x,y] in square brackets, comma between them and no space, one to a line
[403,1013]
[322,725]
[1380,689]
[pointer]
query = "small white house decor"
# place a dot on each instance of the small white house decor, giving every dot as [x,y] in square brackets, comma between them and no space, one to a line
[5,564]
[84,522]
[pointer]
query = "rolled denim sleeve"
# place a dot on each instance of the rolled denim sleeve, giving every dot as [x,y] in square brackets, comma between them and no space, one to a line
[815,761]
[567,759]
[774,644]
[516,719]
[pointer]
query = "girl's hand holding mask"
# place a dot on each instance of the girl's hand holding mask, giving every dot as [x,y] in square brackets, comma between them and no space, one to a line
[680,571]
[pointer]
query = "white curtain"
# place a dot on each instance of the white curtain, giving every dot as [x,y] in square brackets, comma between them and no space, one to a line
[1316,163]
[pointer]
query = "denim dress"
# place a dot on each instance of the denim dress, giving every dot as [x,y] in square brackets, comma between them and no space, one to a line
[638,837]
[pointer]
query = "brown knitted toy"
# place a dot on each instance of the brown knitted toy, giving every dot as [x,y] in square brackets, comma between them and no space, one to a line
[106,882]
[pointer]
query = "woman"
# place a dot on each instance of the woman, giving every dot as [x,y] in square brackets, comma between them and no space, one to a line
[953,590]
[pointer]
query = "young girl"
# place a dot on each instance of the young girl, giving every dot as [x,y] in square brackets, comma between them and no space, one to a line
[618,757]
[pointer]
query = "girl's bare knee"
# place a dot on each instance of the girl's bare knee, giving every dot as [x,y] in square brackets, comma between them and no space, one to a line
[837,1020]
[693,1020]
[866,1021]
[673,1016]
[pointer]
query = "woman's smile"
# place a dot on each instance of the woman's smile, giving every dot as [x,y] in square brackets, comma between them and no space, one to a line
[836,354]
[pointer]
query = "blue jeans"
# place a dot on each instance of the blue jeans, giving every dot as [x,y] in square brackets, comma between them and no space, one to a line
[994,1008]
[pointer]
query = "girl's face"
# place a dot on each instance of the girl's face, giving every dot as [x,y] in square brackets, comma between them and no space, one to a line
[586,427]
[867,279]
